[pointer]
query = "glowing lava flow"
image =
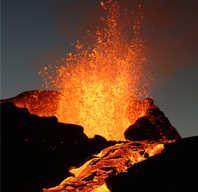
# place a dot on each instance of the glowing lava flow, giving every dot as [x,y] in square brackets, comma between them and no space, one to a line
[110,161]
[98,81]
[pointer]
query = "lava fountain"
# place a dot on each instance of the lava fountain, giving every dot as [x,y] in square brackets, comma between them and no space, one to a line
[101,82]
[100,87]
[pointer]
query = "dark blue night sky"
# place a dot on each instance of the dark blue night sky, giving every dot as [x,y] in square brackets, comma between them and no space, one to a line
[36,33]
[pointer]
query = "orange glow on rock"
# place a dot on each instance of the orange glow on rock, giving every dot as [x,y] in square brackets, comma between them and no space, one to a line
[41,103]
[99,87]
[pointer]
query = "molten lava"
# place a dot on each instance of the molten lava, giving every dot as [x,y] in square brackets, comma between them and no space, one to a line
[99,87]
[101,81]
[110,161]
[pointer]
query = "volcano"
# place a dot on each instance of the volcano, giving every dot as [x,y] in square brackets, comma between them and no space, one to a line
[94,133]
[39,153]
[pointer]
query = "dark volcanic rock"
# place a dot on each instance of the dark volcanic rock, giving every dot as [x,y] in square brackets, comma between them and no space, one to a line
[175,169]
[37,152]
[152,126]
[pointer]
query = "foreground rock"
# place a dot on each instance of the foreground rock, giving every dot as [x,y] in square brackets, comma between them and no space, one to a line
[152,126]
[174,169]
[38,152]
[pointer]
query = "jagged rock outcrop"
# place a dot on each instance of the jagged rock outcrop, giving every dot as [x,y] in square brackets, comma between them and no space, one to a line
[174,169]
[38,152]
[152,126]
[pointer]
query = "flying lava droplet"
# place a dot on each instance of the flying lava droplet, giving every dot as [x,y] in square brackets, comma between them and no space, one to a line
[100,83]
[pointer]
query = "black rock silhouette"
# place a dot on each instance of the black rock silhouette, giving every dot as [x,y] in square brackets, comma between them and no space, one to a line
[174,169]
[152,126]
[37,152]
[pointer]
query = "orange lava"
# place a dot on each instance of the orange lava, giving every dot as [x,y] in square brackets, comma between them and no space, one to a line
[110,161]
[101,81]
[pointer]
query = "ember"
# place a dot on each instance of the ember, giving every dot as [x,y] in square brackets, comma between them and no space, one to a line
[99,90]
[101,82]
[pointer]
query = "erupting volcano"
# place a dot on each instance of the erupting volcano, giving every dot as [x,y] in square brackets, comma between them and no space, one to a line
[99,90]
[100,83]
